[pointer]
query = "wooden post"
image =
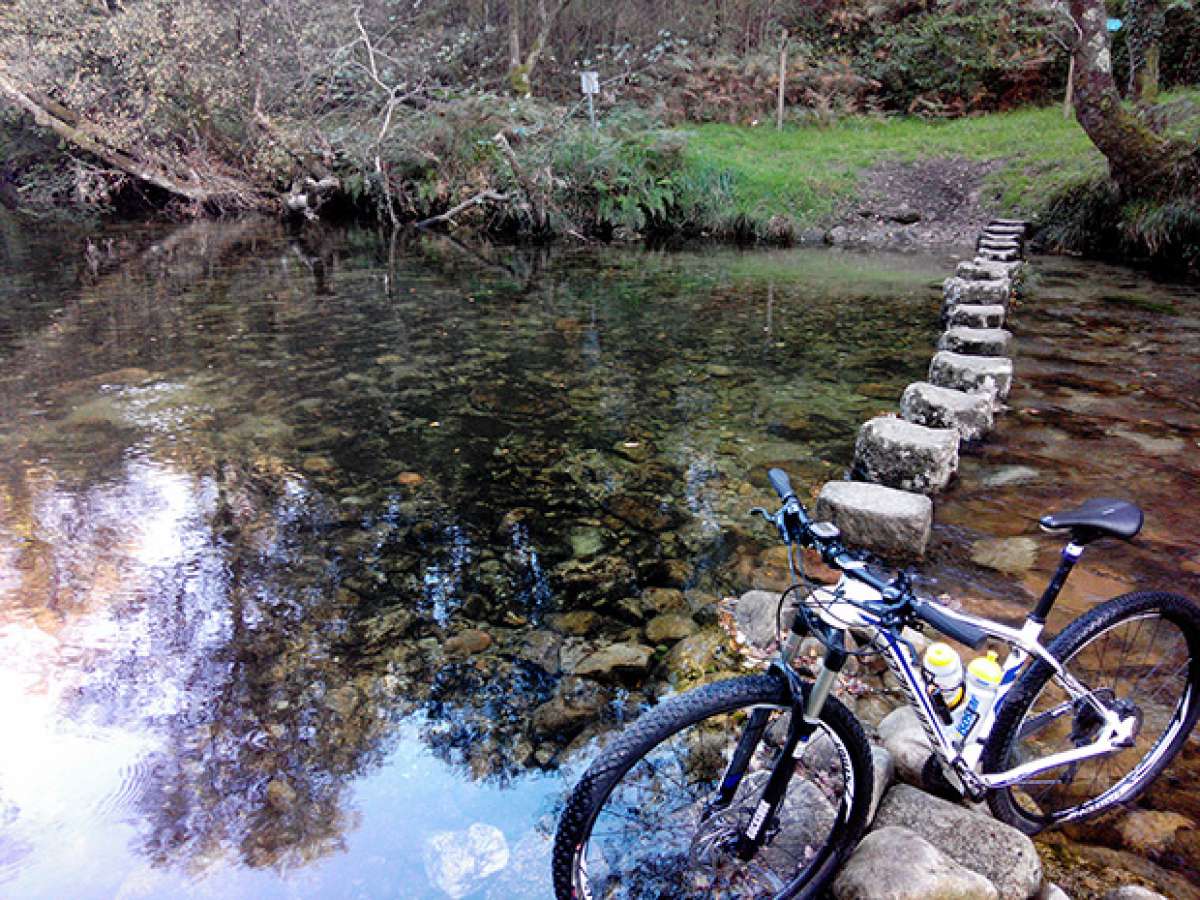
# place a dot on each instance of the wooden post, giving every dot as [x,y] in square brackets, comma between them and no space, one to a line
[1070,88]
[782,81]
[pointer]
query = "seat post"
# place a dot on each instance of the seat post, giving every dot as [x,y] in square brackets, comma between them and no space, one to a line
[1066,563]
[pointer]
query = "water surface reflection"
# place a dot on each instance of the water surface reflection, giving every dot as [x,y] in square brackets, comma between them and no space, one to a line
[315,551]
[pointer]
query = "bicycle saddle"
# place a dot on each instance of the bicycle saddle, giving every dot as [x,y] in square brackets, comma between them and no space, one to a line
[1097,518]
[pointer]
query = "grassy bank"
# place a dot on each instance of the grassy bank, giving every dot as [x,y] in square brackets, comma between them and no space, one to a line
[805,173]
[1039,161]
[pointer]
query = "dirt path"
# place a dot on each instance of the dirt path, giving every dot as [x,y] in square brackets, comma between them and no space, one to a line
[934,201]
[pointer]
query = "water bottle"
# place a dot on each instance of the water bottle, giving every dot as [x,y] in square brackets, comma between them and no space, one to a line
[944,679]
[983,682]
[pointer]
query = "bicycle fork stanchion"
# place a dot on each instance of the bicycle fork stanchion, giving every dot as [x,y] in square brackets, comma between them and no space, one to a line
[800,731]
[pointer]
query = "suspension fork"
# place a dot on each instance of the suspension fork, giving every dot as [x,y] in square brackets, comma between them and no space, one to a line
[800,729]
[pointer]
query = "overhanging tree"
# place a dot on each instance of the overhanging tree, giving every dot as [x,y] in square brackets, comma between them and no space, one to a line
[1143,162]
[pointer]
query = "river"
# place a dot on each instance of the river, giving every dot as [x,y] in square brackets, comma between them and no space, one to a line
[299,533]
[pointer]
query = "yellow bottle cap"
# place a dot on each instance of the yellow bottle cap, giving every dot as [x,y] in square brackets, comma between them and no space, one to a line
[987,668]
[940,656]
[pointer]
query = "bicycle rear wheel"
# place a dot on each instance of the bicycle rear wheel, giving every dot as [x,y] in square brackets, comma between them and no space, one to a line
[640,823]
[1139,652]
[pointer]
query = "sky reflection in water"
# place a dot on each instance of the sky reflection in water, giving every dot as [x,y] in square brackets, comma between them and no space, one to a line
[253,486]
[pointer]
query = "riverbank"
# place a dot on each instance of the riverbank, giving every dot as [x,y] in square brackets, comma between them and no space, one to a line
[912,180]
[528,170]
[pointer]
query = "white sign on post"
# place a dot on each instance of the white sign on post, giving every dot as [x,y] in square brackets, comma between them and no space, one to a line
[589,83]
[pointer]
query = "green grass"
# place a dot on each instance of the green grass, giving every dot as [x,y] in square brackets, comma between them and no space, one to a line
[803,172]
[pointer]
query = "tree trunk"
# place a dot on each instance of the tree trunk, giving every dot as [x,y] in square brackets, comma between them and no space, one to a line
[1146,20]
[1145,80]
[1141,161]
[520,75]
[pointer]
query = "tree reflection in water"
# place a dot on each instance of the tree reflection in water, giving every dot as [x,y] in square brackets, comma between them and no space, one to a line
[271,503]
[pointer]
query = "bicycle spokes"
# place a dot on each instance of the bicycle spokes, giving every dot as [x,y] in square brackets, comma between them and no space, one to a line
[1138,672]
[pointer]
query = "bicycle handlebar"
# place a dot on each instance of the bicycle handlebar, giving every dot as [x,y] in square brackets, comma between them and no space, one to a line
[794,524]
[963,632]
[782,484]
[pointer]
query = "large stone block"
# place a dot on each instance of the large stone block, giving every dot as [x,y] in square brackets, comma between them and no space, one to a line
[1011,223]
[878,518]
[939,407]
[998,852]
[1011,268]
[902,455]
[967,315]
[957,290]
[898,864]
[977,341]
[1000,255]
[999,243]
[982,270]
[987,375]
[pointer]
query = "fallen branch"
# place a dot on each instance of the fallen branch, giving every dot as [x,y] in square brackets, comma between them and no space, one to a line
[478,200]
[90,139]
[85,141]
[533,195]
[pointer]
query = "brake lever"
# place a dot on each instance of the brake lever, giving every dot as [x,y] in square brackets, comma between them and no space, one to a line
[758,510]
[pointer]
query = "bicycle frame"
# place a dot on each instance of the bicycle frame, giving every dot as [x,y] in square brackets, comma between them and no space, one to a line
[840,607]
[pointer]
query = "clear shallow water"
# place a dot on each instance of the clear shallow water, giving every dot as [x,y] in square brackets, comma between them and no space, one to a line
[289,526]
[255,486]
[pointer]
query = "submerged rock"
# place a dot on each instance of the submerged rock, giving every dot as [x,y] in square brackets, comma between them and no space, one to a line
[467,643]
[1012,555]
[576,702]
[697,655]
[541,648]
[616,662]
[670,627]
[656,601]
[580,623]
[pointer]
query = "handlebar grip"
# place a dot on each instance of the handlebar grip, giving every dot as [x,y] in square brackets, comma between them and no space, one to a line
[782,484]
[963,632]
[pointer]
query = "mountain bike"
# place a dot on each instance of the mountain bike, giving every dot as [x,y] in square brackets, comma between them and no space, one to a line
[761,785]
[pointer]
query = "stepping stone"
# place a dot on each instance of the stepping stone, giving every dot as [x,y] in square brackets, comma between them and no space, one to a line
[1000,255]
[905,456]
[890,522]
[1010,268]
[977,341]
[987,375]
[958,290]
[1011,223]
[991,243]
[1016,231]
[969,316]
[999,245]
[939,407]
[979,270]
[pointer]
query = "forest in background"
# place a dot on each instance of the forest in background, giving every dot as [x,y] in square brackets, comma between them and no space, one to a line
[439,110]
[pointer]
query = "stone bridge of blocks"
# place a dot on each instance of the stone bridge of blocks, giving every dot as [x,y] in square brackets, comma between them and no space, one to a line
[901,461]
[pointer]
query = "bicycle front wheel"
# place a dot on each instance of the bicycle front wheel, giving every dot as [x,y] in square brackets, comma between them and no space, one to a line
[1138,653]
[642,822]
